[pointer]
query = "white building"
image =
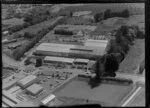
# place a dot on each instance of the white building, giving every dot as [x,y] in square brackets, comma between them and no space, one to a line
[48,99]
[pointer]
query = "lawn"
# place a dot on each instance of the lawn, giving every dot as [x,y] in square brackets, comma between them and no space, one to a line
[134,57]
[110,94]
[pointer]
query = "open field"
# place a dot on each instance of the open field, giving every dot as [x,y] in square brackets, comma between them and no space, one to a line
[110,94]
[13,21]
[113,23]
[134,57]
[102,7]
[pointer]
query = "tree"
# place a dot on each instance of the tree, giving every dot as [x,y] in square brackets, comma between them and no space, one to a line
[71,13]
[38,62]
[98,17]
[111,64]
[107,14]
[28,19]
[125,13]
[28,35]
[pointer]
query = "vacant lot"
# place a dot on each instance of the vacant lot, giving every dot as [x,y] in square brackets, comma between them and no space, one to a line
[106,93]
[134,57]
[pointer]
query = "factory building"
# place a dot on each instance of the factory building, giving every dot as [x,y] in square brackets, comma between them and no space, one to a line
[71,51]
[52,49]
[27,81]
[34,89]
[60,60]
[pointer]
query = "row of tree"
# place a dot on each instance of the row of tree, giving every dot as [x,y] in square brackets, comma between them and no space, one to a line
[36,15]
[108,64]
[33,39]
[109,14]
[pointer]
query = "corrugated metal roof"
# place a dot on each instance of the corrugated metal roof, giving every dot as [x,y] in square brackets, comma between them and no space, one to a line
[55,47]
[48,99]
[58,59]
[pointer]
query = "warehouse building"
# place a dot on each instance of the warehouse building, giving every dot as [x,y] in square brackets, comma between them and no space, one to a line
[56,60]
[34,89]
[48,99]
[27,81]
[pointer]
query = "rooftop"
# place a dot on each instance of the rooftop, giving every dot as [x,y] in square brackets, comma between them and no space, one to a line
[55,47]
[27,79]
[59,59]
[96,43]
[34,88]
[82,60]
[48,99]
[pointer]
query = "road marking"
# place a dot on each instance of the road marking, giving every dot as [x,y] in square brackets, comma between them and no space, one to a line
[131,96]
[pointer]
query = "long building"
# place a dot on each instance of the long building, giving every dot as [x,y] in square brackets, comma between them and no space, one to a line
[69,50]
[52,59]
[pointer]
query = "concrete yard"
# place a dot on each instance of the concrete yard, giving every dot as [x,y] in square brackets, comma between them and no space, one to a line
[106,93]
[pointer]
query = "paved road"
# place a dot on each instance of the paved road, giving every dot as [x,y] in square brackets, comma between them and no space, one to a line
[135,78]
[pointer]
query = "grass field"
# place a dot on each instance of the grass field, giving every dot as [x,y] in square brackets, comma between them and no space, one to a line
[134,7]
[134,57]
[13,21]
[114,23]
[109,94]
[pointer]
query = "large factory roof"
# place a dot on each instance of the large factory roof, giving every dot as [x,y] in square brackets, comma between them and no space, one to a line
[35,88]
[27,79]
[68,48]
[58,59]
[54,47]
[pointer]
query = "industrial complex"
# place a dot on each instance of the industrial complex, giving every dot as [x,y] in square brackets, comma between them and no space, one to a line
[62,61]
